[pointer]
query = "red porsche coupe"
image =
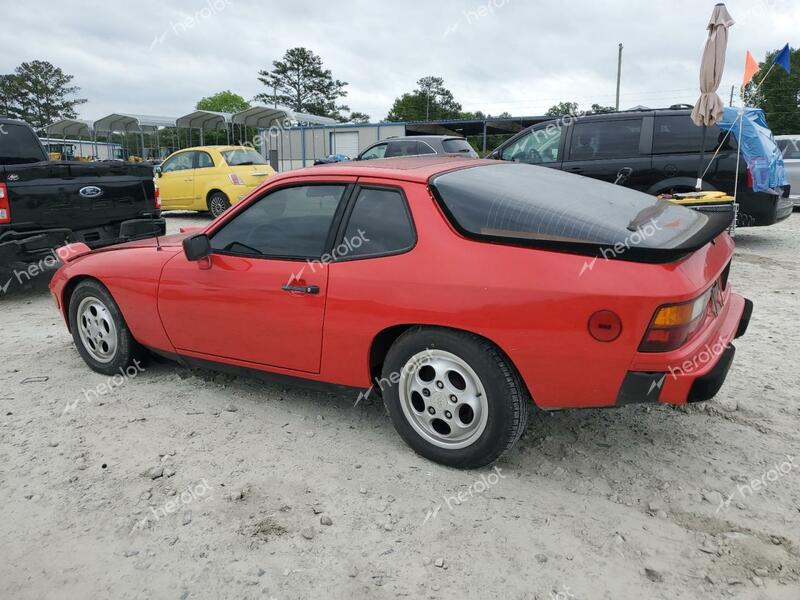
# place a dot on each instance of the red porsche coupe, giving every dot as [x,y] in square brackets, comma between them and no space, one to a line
[460,290]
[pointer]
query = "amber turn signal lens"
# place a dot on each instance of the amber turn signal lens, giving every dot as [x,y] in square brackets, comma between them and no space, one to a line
[671,316]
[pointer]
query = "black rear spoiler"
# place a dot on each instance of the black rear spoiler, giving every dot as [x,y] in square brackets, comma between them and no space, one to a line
[717,223]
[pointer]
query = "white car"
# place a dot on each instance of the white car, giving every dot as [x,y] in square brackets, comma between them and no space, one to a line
[790,147]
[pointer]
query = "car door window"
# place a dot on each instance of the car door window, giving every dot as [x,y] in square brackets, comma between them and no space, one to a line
[605,139]
[537,146]
[375,152]
[677,134]
[288,223]
[204,160]
[402,148]
[379,224]
[179,162]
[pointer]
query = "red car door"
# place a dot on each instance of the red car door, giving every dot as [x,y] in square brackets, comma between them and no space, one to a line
[260,297]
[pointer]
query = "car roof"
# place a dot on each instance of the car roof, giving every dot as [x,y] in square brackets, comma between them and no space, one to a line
[422,137]
[413,168]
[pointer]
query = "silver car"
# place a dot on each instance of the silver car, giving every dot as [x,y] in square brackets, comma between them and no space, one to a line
[790,148]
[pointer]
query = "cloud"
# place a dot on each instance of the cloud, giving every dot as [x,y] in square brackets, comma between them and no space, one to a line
[515,56]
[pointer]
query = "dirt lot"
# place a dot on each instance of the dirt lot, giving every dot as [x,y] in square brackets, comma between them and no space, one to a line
[174,483]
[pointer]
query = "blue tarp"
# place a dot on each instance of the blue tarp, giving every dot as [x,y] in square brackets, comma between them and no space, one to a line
[759,150]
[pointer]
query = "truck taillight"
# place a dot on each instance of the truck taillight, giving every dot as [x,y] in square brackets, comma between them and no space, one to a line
[158,198]
[5,205]
[674,324]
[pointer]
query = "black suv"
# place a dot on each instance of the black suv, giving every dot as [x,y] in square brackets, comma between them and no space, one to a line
[418,145]
[662,147]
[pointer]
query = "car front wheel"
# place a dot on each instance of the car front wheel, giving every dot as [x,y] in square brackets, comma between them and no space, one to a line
[453,396]
[100,333]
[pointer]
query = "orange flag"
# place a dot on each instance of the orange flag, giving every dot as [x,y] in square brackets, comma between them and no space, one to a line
[750,69]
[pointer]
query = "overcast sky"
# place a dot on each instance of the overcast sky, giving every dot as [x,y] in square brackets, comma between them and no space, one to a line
[518,56]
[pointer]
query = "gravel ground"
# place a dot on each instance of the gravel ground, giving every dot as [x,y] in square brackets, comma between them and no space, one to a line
[178,483]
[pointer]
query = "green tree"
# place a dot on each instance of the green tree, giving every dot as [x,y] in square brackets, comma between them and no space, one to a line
[300,82]
[225,101]
[778,95]
[562,108]
[39,93]
[431,101]
[358,117]
[596,108]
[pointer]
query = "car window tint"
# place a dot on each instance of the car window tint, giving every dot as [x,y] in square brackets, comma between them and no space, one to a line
[204,160]
[379,224]
[459,146]
[524,203]
[423,148]
[179,162]
[402,148]
[19,145]
[676,134]
[375,152]
[535,147]
[605,139]
[291,222]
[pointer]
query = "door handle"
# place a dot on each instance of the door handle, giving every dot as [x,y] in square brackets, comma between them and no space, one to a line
[189,179]
[303,289]
[575,169]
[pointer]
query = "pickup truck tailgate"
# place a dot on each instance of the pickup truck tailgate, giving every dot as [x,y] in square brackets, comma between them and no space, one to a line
[50,194]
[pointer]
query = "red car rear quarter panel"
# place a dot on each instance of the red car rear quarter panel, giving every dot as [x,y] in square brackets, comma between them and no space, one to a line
[533,304]
[132,277]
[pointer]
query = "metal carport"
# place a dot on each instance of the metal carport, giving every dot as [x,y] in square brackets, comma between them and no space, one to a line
[128,123]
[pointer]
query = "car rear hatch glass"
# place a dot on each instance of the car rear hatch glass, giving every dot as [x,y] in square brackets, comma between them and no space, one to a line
[249,165]
[540,207]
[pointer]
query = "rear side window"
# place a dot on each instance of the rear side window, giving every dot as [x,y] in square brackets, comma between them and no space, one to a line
[678,134]
[288,223]
[459,146]
[19,145]
[403,148]
[204,160]
[379,224]
[605,139]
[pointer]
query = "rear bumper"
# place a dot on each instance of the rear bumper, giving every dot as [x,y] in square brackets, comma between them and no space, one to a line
[35,245]
[760,209]
[700,374]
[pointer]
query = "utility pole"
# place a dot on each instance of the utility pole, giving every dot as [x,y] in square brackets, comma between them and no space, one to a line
[731,103]
[619,72]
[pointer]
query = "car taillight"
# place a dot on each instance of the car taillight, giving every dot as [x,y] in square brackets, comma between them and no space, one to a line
[674,324]
[5,205]
[158,198]
[749,178]
[235,179]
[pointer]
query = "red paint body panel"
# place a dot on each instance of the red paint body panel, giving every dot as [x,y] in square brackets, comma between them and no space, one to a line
[532,303]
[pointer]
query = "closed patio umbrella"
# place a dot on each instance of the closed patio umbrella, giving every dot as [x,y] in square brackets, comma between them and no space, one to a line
[709,107]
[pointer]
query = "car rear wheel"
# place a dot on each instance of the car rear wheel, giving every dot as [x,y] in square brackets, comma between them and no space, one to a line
[453,396]
[100,333]
[218,203]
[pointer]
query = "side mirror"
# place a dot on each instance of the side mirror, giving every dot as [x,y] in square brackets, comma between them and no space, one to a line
[157,170]
[197,247]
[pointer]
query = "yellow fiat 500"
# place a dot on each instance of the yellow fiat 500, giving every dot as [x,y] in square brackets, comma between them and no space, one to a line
[209,178]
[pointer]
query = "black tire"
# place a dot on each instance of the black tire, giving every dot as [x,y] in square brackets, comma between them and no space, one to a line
[506,400]
[217,204]
[127,352]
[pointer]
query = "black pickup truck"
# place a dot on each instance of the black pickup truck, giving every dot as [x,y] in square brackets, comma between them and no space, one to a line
[45,204]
